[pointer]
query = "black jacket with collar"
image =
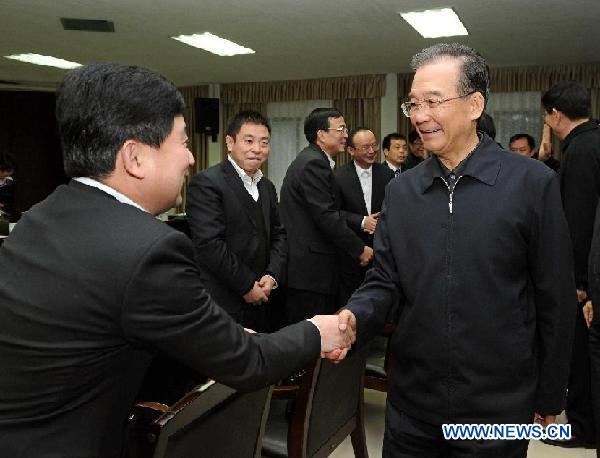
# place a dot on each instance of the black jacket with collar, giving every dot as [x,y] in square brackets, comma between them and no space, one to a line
[580,189]
[485,281]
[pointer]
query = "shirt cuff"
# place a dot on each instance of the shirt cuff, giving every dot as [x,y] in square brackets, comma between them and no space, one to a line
[362,224]
[275,284]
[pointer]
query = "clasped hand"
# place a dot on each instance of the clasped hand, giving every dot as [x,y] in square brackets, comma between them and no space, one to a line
[338,333]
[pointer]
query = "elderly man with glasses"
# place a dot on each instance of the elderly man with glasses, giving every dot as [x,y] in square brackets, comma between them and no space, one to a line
[474,245]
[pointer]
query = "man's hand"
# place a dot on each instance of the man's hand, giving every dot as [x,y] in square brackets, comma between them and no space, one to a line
[546,144]
[588,313]
[333,338]
[367,256]
[266,283]
[544,420]
[370,223]
[346,323]
[256,295]
[581,295]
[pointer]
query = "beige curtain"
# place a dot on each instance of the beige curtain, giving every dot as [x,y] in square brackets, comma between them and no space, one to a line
[404,83]
[198,143]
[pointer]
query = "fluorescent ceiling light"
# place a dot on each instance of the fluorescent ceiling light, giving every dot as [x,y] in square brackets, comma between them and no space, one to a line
[213,43]
[49,61]
[436,23]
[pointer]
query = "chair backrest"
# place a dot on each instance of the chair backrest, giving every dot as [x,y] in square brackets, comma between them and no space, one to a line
[212,421]
[333,396]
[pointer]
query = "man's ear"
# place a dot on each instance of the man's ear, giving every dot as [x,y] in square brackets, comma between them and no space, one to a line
[132,154]
[229,141]
[477,104]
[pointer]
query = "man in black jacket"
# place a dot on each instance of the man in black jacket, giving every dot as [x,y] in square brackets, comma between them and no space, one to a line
[92,285]
[567,108]
[474,245]
[361,186]
[232,209]
[310,212]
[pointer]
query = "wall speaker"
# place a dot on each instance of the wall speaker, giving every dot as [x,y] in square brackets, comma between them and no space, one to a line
[207,116]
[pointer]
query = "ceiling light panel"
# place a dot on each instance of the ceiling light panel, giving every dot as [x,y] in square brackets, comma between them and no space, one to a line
[214,44]
[48,61]
[436,23]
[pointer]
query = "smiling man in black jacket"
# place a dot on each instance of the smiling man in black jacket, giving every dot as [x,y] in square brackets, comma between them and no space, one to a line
[474,244]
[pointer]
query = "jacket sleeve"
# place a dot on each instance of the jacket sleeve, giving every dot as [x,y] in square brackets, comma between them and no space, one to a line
[381,289]
[317,189]
[206,216]
[278,249]
[581,192]
[165,309]
[551,270]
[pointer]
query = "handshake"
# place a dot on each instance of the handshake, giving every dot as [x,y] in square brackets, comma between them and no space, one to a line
[338,333]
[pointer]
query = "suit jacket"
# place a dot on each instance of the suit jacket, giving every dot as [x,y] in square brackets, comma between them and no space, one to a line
[90,288]
[225,234]
[352,202]
[316,230]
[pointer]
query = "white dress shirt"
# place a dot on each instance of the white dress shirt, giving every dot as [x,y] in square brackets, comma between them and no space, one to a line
[331,161]
[392,166]
[365,176]
[250,182]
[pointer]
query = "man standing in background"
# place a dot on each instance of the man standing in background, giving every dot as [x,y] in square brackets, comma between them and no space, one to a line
[310,211]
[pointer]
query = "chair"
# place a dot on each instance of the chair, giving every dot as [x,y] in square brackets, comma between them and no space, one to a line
[211,421]
[327,407]
[378,360]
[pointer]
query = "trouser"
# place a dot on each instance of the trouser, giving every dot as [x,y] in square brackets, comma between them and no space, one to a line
[408,437]
[594,342]
[579,396]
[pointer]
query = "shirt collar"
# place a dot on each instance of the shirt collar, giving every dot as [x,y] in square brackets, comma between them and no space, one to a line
[360,170]
[108,190]
[391,166]
[330,159]
[243,175]
[483,164]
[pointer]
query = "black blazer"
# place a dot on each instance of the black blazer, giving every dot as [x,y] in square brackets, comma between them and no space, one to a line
[352,201]
[90,288]
[316,230]
[225,234]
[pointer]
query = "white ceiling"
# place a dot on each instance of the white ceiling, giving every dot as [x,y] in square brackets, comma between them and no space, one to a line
[293,39]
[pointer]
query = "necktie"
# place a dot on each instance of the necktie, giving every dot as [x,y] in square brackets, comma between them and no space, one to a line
[396,173]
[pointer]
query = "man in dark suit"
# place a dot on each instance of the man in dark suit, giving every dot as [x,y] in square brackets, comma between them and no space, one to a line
[361,187]
[92,284]
[395,150]
[567,109]
[310,212]
[232,209]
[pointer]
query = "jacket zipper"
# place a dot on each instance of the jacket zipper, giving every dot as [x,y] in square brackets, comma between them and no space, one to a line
[451,192]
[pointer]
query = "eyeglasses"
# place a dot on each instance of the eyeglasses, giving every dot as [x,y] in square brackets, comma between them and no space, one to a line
[341,129]
[365,148]
[409,108]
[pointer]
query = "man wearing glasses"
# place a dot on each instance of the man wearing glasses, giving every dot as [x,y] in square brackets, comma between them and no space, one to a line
[483,275]
[361,185]
[310,211]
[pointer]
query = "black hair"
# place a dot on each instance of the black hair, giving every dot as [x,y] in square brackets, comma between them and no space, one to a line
[570,98]
[101,106]
[413,135]
[385,144]
[246,117]
[474,73]
[529,138]
[317,120]
[485,123]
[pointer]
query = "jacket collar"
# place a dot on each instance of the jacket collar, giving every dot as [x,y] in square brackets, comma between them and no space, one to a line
[483,165]
[584,127]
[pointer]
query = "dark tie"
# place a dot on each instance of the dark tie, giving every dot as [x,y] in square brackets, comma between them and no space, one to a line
[397,172]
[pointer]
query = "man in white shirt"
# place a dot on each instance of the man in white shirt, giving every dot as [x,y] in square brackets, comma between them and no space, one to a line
[361,188]
[239,242]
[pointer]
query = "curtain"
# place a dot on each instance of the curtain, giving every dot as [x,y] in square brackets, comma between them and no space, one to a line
[404,83]
[197,142]
[515,112]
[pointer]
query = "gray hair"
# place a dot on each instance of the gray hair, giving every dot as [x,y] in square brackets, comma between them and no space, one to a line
[474,74]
